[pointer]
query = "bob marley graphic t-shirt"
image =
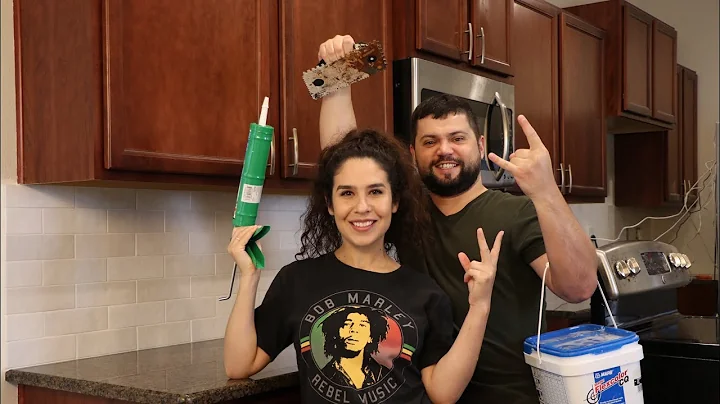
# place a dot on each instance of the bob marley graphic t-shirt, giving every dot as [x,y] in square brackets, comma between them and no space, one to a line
[359,336]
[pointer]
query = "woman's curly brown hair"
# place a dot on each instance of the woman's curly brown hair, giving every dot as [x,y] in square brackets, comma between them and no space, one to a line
[409,225]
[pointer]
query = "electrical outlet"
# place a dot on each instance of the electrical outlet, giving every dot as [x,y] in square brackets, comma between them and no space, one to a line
[589,230]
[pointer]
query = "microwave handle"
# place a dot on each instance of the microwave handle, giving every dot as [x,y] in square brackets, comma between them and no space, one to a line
[506,134]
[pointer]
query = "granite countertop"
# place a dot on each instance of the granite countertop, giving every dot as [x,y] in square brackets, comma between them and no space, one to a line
[188,373]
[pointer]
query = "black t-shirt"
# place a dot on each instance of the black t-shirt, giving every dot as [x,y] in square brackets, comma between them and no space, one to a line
[359,336]
[501,376]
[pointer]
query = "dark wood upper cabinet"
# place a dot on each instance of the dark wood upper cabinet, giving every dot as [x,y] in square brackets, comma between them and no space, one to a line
[492,24]
[655,169]
[582,112]
[558,62]
[301,36]
[535,54]
[184,81]
[641,54]
[472,35]
[442,27]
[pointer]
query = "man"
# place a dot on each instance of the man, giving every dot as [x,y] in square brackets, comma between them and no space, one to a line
[352,335]
[540,229]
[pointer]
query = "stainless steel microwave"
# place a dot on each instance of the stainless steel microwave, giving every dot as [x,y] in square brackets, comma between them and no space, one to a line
[493,102]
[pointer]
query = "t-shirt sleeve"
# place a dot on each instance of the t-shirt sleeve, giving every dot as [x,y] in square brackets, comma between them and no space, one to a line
[527,237]
[439,334]
[272,325]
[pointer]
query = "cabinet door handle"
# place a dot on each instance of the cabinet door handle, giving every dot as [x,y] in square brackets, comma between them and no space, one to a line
[482,48]
[272,156]
[570,174]
[472,39]
[296,153]
[562,179]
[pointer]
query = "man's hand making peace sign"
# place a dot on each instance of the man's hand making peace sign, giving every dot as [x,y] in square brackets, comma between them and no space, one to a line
[531,167]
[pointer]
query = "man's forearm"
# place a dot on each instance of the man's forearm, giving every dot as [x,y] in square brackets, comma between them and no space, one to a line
[337,117]
[453,372]
[572,257]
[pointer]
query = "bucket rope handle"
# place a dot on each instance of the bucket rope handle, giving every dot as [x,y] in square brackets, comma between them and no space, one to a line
[542,300]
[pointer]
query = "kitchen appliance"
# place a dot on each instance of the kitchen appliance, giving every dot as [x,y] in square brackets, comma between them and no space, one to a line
[493,102]
[682,355]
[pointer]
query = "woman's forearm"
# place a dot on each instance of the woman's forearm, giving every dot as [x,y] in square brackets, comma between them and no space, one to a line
[240,337]
[453,372]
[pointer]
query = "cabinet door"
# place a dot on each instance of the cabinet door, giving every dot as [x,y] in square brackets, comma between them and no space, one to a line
[664,98]
[674,187]
[184,80]
[305,25]
[492,22]
[637,77]
[535,58]
[443,28]
[582,112]
[689,128]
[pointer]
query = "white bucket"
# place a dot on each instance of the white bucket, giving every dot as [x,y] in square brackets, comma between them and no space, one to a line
[588,364]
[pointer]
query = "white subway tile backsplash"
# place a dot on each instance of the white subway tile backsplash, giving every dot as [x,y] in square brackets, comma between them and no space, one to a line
[104,245]
[189,309]
[153,336]
[36,247]
[74,271]
[162,243]
[24,273]
[76,321]
[43,350]
[37,196]
[24,221]
[189,221]
[106,294]
[25,326]
[136,221]
[152,290]
[130,268]
[39,299]
[106,342]
[187,265]
[94,271]
[74,221]
[104,198]
[131,315]
[152,199]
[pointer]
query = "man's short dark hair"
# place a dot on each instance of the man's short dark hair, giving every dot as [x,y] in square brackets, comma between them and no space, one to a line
[440,106]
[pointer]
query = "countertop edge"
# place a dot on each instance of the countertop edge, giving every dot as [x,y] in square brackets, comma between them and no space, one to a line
[233,390]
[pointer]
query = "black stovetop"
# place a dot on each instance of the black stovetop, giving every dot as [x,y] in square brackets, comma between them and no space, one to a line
[680,335]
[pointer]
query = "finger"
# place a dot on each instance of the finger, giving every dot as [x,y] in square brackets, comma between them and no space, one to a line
[482,243]
[495,253]
[464,261]
[331,56]
[347,43]
[322,53]
[339,46]
[520,153]
[533,138]
[504,164]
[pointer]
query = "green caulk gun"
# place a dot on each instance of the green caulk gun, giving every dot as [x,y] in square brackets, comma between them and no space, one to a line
[250,189]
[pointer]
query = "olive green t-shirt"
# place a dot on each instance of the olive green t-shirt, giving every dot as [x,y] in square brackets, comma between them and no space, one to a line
[501,376]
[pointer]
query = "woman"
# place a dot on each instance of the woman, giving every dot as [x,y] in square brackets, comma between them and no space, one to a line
[365,327]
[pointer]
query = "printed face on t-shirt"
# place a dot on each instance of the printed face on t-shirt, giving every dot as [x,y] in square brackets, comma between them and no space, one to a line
[362,202]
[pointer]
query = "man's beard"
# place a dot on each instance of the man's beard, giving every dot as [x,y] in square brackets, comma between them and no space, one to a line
[451,187]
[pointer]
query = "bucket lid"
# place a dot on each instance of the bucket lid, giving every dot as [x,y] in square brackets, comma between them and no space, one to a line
[581,340]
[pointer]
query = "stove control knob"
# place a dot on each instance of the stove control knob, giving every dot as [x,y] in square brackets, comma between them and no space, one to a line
[622,269]
[688,264]
[633,266]
[674,260]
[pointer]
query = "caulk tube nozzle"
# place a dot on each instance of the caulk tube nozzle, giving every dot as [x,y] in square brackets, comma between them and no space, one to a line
[264,112]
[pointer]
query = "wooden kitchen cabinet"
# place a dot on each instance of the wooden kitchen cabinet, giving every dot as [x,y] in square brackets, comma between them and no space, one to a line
[162,93]
[638,156]
[301,35]
[558,61]
[476,34]
[641,55]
